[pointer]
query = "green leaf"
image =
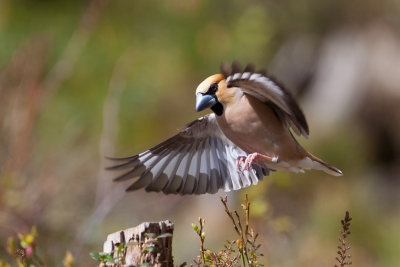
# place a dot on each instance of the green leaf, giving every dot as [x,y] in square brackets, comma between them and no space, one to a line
[102,257]
[120,248]
[23,244]
[107,257]
[150,235]
[195,228]
[95,255]
[164,235]
[150,249]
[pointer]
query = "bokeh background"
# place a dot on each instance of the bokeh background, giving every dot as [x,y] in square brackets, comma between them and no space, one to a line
[80,80]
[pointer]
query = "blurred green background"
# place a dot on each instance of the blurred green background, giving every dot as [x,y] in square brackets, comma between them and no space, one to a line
[80,80]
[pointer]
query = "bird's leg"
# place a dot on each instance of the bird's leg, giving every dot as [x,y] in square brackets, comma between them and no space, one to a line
[239,162]
[255,158]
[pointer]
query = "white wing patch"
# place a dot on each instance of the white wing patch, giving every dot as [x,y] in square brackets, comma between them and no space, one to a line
[270,84]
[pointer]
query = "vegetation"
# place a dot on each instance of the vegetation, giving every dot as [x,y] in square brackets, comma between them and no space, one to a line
[244,250]
[344,247]
[24,252]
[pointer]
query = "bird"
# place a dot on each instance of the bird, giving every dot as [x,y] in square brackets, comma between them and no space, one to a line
[248,134]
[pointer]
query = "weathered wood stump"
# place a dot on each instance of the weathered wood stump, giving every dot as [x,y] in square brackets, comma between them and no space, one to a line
[149,242]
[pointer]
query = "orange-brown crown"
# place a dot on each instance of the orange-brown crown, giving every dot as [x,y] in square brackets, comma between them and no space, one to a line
[205,85]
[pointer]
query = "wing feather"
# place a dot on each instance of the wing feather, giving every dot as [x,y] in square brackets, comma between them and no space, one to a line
[203,175]
[193,172]
[187,180]
[199,159]
[170,171]
[215,172]
[183,168]
[159,180]
[269,91]
[224,167]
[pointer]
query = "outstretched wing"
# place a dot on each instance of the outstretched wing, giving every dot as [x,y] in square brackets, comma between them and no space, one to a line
[198,160]
[257,84]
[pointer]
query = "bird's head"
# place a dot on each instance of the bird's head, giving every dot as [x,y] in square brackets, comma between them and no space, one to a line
[213,93]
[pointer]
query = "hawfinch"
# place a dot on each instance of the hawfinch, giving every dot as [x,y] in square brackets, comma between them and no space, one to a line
[247,135]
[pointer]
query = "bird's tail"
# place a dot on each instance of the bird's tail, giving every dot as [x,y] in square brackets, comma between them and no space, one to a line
[319,164]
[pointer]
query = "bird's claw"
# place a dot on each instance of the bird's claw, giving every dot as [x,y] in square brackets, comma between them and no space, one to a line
[254,159]
[250,160]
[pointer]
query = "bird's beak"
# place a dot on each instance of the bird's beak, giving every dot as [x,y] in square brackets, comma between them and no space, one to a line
[204,101]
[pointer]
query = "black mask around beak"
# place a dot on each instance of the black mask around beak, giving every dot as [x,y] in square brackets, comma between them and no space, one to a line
[204,101]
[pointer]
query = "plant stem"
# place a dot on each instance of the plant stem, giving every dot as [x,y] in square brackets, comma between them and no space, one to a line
[201,221]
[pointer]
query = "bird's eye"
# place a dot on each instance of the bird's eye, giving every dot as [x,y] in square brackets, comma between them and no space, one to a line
[213,88]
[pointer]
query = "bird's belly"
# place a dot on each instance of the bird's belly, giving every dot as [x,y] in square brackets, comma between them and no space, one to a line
[244,127]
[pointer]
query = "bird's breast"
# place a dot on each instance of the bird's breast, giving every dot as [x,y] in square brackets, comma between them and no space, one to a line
[254,127]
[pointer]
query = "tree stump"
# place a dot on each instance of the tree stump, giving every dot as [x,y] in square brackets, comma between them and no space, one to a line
[149,242]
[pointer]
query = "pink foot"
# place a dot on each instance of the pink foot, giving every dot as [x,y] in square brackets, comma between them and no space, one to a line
[239,162]
[255,158]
